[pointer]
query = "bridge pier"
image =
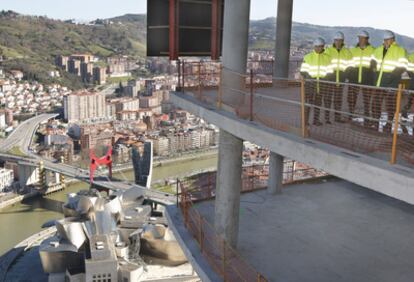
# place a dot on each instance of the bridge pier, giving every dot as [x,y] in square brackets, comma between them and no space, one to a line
[29,174]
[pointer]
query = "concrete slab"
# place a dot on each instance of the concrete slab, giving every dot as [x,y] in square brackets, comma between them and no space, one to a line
[327,231]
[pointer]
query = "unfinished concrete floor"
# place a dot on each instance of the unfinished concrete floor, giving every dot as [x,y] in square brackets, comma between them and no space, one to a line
[327,231]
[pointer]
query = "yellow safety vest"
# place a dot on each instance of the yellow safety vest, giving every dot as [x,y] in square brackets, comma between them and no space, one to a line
[340,60]
[411,63]
[317,66]
[396,57]
[361,58]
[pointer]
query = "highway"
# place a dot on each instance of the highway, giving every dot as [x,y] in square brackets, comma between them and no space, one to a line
[23,134]
[22,138]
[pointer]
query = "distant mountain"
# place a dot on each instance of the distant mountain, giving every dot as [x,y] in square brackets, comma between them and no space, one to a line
[262,34]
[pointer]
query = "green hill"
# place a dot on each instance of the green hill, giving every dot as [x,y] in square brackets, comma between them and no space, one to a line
[30,43]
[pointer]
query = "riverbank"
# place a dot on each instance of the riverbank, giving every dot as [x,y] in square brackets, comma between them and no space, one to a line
[121,169]
[23,219]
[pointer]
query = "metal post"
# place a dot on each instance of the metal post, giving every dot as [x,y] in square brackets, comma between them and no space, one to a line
[303,112]
[179,74]
[199,81]
[183,75]
[200,238]
[396,125]
[251,94]
[176,190]
[220,87]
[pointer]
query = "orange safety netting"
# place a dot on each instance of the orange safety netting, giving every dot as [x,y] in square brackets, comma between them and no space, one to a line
[355,117]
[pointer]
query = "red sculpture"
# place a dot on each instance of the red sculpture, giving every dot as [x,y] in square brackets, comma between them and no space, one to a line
[96,162]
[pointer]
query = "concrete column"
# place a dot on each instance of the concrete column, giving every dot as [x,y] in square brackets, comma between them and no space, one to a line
[235,47]
[283,37]
[229,172]
[275,173]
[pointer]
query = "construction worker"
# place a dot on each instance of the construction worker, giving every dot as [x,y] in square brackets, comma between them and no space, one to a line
[410,70]
[390,61]
[316,66]
[341,59]
[361,73]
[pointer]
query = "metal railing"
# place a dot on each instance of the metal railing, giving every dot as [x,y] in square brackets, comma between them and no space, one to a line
[369,120]
[223,259]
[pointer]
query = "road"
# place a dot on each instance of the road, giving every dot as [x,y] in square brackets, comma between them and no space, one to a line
[22,138]
[23,134]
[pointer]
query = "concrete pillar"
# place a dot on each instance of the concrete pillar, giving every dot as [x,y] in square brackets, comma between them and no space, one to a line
[275,173]
[283,37]
[235,47]
[228,189]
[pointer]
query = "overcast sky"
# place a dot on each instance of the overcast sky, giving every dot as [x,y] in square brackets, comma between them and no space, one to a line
[390,14]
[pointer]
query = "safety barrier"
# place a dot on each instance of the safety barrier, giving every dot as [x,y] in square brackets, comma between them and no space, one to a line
[369,120]
[222,258]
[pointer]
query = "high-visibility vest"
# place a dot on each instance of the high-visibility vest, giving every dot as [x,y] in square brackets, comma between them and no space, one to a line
[361,58]
[340,60]
[396,57]
[316,65]
[411,63]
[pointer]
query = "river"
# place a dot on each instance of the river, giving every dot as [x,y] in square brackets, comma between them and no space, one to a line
[22,220]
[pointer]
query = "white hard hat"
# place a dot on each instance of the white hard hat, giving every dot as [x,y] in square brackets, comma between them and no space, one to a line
[388,34]
[339,36]
[363,33]
[319,42]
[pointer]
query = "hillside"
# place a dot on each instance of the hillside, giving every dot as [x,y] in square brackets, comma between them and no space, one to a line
[30,43]
[262,34]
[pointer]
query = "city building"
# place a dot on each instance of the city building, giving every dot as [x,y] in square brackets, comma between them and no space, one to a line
[62,62]
[92,136]
[6,178]
[86,72]
[85,58]
[131,91]
[74,66]
[3,123]
[147,102]
[127,104]
[84,106]
[99,75]
[17,74]
[102,265]
[161,145]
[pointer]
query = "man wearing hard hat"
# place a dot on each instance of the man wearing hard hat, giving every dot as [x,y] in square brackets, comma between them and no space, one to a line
[362,73]
[341,59]
[390,61]
[410,70]
[316,66]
